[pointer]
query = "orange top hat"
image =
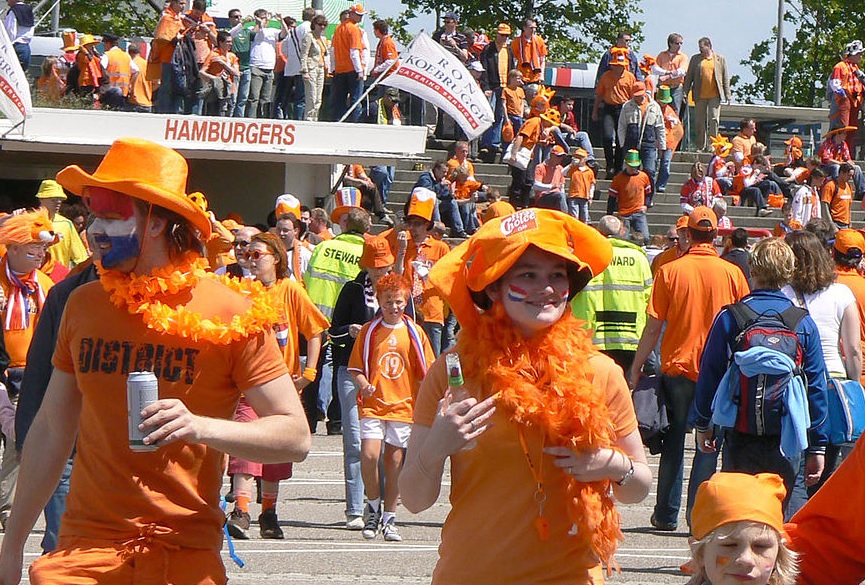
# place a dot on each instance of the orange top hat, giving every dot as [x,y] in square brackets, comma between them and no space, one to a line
[376,253]
[736,497]
[200,200]
[143,170]
[486,256]
[682,222]
[847,239]
[619,56]
[344,199]
[422,203]
[69,43]
[702,213]
[28,228]
[842,129]
[287,203]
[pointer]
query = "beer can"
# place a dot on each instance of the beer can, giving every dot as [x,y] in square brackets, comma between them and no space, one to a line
[142,390]
[455,370]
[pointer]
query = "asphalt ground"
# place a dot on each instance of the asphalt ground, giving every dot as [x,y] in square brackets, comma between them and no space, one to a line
[318,549]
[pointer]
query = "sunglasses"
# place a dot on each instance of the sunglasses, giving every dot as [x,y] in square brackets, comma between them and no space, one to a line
[241,243]
[256,255]
[674,239]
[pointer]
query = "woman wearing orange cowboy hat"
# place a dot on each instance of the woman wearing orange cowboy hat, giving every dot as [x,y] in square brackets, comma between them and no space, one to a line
[542,425]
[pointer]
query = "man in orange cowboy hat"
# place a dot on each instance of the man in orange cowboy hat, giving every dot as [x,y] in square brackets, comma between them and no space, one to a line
[151,514]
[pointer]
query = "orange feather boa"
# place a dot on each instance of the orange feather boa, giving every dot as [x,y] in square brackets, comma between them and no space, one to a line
[546,382]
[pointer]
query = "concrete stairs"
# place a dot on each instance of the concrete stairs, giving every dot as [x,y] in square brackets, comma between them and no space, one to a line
[661,216]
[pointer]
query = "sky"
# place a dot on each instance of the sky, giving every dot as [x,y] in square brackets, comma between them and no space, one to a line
[732,35]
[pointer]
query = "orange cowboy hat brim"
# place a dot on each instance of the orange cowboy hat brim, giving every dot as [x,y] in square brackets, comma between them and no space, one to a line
[842,129]
[143,170]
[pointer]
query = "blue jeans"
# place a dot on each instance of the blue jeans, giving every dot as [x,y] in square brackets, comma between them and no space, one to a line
[492,138]
[166,101]
[637,222]
[469,217]
[345,85]
[450,215]
[702,468]
[54,510]
[383,179]
[325,385]
[242,92]
[434,332]
[678,95]
[22,51]
[678,392]
[664,171]
[350,442]
[579,208]
[649,159]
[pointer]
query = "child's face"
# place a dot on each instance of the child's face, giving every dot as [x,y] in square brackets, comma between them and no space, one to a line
[788,215]
[392,305]
[747,555]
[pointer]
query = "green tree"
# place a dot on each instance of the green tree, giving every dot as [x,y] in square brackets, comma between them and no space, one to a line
[823,29]
[575,30]
[121,17]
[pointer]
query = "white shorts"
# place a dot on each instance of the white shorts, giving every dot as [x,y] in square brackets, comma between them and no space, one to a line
[393,432]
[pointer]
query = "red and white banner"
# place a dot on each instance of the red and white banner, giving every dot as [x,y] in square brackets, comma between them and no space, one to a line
[430,72]
[14,90]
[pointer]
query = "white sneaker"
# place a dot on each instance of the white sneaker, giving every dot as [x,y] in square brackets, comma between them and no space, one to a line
[354,522]
[390,532]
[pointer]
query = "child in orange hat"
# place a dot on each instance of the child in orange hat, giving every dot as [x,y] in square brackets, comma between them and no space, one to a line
[738,528]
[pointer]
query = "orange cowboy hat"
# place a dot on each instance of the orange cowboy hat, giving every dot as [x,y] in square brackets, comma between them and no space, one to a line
[463,274]
[839,130]
[143,170]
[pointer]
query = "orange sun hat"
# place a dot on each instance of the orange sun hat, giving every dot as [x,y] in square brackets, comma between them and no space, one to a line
[498,244]
[143,170]
[376,253]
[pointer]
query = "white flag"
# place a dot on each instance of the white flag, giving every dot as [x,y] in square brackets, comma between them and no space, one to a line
[14,90]
[430,72]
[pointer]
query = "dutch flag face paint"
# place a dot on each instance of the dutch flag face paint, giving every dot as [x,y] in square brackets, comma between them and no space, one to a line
[516,294]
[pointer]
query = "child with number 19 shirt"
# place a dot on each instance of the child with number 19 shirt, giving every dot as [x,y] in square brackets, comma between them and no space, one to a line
[388,362]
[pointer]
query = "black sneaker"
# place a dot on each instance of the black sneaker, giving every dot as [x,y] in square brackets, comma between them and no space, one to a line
[663,526]
[386,220]
[238,524]
[372,521]
[268,523]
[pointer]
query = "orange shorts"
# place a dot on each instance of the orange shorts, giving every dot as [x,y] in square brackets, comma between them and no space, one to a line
[86,561]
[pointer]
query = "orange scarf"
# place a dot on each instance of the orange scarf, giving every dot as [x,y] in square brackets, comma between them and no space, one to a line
[546,382]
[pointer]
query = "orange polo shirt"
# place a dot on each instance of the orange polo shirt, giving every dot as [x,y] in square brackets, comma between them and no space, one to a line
[856,283]
[582,182]
[347,36]
[840,198]
[687,294]
[671,63]
[615,90]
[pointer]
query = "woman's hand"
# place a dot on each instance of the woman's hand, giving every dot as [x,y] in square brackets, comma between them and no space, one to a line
[354,330]
[592,464]
[460,422]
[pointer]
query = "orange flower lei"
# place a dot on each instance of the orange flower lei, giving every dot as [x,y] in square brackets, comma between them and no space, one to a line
[545,382]
[139,295]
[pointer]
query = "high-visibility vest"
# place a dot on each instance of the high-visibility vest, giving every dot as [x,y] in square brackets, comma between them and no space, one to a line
[333,263]
[141,93]
[119,69]
[614,302]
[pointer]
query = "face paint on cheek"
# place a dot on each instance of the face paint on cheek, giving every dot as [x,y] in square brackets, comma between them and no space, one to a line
[722,561]
[516,294]
[116,240]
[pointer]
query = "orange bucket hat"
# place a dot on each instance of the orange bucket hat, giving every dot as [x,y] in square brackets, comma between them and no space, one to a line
[422,203]
[376,253]
[485,257]
[143,170]
[736,497]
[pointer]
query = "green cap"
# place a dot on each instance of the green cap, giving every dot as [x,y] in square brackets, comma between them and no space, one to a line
[632,158]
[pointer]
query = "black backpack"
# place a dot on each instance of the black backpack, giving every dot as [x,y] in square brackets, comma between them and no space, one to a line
[761,398]
[184,68]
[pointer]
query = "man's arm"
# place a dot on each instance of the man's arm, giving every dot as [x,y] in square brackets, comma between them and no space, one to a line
[648,341]
[713,366]
[281,433]
[52,437]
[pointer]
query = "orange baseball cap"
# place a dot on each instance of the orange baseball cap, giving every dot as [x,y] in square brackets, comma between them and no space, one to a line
[376,253]
[504,29]
[557,149]
[702,213]
[639,88]
[485,257]
[682,222]
[231,224]
[581,152]
[847,239]
[736,497]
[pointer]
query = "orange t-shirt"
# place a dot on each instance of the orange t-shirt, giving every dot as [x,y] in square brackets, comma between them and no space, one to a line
[465,190]
[531,132]
[615,90]
[218,68]
[582,182]
[347,36]
[514,100]
[687,294]
[17,341]
[394,364]
[117,493]
[454,164]
[708,84]
[840,198]
[665,257]
[856,283]
[296,314]
[493,477]
[631,191]
[428,301]
[385,51]
[170,24]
